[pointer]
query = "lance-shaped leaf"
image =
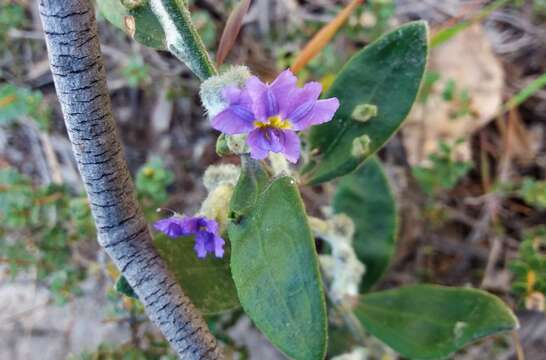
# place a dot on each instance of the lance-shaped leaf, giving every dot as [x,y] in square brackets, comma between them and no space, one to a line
[366,197]
[140,22]
[182,38]
[385,75]
[162,24]
[274,264]
[431,322]
[207,282]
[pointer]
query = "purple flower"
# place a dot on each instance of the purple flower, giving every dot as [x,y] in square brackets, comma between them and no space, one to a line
[205,230]
[272,113]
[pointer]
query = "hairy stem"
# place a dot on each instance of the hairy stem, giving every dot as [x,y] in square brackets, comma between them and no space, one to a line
[80,80]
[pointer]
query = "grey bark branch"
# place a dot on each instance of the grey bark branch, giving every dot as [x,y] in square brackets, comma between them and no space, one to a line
[80,80]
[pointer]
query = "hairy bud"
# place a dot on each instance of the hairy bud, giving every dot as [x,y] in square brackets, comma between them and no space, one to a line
[211,89]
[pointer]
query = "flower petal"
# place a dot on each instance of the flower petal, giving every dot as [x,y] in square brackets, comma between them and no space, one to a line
[291,146]
[199,246]
[237,118]
[232,94]
[191,225]
[205,230]
[172,227]
[322,111]
[210,225]
[301,98]
[269,99]
[219,246]
[262,141]
[282,88]
[257,90]
[209,242]
[275,139]
[257,144]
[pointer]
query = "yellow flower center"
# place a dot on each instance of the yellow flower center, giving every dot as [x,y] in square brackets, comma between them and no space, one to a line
[274,122]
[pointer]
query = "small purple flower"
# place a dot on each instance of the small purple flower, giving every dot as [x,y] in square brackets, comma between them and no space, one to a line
[272,113]
[205,230]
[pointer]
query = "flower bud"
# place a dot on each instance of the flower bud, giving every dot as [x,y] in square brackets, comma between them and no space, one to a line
[237,144]
[211,89]
[222,148]
[224,174]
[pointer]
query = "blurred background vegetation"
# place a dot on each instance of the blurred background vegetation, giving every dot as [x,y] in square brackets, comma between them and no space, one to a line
[468,168]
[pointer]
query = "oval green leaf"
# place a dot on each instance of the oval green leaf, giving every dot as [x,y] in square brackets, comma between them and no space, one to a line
[275,266]
[431,322]
[207,282]
[139,23]
[386,74]
[366,197]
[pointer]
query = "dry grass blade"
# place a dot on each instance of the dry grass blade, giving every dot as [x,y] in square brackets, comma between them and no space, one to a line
[319,41]
[233,26]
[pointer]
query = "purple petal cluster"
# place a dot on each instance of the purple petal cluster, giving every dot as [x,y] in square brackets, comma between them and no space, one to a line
[207,239]
[271,114]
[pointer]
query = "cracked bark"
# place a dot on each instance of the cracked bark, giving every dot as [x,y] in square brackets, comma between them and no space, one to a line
[80,80]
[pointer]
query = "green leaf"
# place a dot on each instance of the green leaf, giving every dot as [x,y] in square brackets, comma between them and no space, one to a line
[275,265]
[206,282]
[366,197]
[123,287]
[251,183]
[162,24]
[431,322]
[340,340]
[182,38]
[140,23]
[386,74]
